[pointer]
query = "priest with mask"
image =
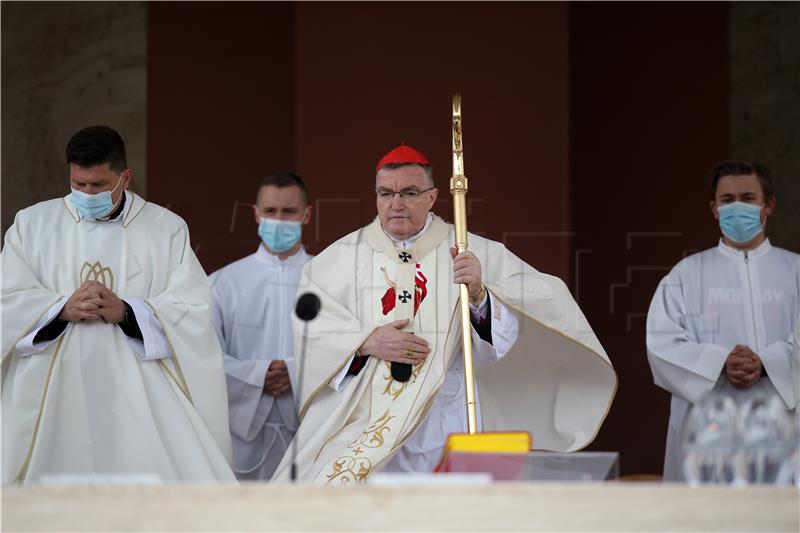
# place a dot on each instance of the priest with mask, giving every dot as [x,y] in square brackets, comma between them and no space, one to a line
[389,295]
[253,302]
[111,367]
[724,319]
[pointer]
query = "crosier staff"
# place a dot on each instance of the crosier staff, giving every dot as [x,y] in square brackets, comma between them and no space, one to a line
[458,188]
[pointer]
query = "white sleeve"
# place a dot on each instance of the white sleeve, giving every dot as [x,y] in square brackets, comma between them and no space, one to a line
[777,361]
[25,346]
[505,329]
[680,364]
[155,344]
[245,379]
[336,381]
[480,309]
[248,406]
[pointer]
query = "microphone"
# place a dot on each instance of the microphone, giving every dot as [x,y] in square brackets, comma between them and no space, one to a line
[306,309]
[307,306]
[401,371]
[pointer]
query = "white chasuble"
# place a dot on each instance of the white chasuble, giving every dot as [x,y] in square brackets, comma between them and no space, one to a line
[87,404]
[555,381]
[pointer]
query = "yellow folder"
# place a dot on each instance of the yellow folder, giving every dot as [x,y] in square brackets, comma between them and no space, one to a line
[491,442]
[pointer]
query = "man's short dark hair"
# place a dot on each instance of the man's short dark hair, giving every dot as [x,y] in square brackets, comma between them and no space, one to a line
[284,179]
[427,168]
[742,168]
[97,145]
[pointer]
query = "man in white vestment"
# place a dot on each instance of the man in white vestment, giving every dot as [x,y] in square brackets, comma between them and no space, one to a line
[253,303]
[389,294]
[111,367]
[723,319]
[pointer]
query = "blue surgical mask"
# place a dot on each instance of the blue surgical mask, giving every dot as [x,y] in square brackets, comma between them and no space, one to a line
[740,221]
[94,206]
[279,235]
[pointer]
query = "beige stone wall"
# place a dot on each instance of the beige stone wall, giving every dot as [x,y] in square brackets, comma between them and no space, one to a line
[66,66]
[765,103]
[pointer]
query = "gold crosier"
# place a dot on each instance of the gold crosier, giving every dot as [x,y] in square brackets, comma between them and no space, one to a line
[458,188]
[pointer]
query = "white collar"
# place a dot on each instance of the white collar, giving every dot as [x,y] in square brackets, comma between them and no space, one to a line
[408,243]
[117,219]
[265,257]
[740,255]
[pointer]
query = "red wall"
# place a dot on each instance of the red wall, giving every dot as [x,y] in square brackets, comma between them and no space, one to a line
[370,75]
[588,133]
[649,113]
[239,91]
[220,115]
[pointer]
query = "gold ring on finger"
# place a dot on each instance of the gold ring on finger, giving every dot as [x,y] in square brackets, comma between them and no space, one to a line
[410,354]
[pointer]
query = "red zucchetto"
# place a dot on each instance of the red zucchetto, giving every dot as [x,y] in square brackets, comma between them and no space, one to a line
[403,154]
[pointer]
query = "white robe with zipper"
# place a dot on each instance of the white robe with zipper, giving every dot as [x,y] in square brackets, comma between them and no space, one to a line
[702,309]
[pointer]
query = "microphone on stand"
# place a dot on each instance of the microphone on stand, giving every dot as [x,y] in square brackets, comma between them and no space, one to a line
[306,309]
[307,306]
[401,371]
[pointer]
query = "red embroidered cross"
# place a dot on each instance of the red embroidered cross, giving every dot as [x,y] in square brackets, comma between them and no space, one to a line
[420,292]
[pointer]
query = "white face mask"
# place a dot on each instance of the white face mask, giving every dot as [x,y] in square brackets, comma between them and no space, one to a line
[280,235]
[740,221]
[94,206]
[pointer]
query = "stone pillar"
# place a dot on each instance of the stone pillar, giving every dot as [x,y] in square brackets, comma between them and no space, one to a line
[765,103]
[65,66]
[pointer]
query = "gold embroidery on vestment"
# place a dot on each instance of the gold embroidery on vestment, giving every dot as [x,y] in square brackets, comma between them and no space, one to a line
[372,437]
[395,388]
[347,468]
[97,272]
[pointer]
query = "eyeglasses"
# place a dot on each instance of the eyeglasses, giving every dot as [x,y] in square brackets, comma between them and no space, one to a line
[387,195]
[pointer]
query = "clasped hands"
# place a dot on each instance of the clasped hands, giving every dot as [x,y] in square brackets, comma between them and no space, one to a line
[93,301]
[390,343]
[276,381]
[743,367]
